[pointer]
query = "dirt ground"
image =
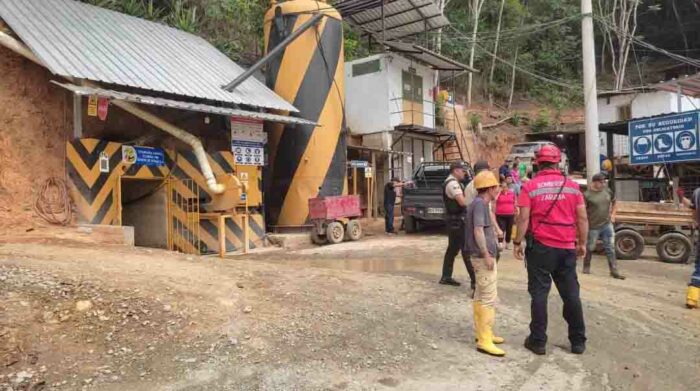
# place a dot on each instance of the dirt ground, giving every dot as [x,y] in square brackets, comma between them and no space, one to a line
[366,315]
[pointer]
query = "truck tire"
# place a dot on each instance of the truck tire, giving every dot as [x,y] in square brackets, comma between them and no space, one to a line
[674,247]
[353,230]
[410,224]
[318,239]
[335,233]
[629,244]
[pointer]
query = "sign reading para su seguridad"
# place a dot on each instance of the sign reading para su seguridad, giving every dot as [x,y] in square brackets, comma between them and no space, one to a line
[145,156]
[248,141]
[666,139]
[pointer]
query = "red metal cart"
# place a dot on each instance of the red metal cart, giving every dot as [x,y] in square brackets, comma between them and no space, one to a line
[335,219]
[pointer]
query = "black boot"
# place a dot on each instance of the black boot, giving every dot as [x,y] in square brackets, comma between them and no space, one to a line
[614,272]
[534,348]
[587,263]
[449,281]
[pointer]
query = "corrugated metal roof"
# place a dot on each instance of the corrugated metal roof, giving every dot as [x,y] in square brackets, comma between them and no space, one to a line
[401,17]
[84,41]
[688,85]
[175,104]
[432,59]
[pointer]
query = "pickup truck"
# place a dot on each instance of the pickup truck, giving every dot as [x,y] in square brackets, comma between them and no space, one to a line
[422,199]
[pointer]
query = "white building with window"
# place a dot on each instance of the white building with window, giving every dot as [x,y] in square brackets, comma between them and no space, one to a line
[390,104]
[629,104]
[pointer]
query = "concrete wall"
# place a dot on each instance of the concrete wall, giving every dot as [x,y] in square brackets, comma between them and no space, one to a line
[641,105]
[144,208]
[373,101]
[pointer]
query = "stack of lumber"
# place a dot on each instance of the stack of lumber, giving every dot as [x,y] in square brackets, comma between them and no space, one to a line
[652,213]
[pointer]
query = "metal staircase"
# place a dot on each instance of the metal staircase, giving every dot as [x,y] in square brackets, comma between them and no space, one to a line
[449,146]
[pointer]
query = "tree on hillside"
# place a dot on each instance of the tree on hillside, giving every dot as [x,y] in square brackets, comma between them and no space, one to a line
[619,19]
[475,9]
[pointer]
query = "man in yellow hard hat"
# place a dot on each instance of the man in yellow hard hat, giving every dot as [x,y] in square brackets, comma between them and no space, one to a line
[482,243]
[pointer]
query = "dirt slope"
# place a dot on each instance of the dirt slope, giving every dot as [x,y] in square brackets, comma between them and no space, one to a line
[34,123]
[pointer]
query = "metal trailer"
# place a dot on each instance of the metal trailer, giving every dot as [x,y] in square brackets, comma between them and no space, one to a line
[335,219]
[668,226]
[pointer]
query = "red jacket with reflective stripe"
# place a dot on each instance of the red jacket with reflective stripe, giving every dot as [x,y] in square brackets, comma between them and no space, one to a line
[558,229]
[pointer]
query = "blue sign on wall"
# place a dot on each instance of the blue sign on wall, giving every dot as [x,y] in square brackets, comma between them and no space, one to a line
[143,155]
[667,139]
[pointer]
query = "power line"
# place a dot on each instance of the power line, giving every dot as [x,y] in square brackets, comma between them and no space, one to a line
[542,77]
[640,42]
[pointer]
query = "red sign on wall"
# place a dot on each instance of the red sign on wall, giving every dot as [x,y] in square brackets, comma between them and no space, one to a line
[102,108]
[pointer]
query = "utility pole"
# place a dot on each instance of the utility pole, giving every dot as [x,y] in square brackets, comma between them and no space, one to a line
[590,94]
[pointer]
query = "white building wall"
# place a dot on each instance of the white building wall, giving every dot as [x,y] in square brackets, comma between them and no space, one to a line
[367,98]
[643,104]
[373,101]
[396,65]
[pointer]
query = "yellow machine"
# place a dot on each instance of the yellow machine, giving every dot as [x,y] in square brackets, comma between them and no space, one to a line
[305,161]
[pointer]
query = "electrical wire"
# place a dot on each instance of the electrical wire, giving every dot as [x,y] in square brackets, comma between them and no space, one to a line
[640,42]
[52,202]
[542,77]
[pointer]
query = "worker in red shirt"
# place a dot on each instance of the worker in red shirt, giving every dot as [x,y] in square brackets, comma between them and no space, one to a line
[553,215]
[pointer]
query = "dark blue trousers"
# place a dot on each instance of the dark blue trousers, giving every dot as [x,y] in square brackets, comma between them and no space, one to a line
[389,218]
[545,264]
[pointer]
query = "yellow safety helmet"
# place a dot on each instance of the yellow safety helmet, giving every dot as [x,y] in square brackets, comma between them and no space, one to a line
[485,179]
[607,165]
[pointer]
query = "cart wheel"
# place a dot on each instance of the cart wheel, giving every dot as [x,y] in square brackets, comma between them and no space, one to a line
[353,231]
[335,232]
[318,239]
[674,247]
[629,244]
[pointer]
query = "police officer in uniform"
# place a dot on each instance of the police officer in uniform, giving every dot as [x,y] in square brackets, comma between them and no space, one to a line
[553,214]
[455,211]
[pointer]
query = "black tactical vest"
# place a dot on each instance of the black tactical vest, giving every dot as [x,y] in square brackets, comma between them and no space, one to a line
[453,211]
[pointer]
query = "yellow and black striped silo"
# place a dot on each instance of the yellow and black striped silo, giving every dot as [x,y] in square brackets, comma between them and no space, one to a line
[305,161]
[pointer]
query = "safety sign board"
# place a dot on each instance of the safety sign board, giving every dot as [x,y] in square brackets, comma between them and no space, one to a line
[92,106]
[248,152]
[359,163]
[368,172]
[248,141]
[145,156]
[666,139]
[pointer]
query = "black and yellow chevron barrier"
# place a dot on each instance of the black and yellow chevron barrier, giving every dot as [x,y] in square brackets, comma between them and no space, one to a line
[305,161]
[97,195]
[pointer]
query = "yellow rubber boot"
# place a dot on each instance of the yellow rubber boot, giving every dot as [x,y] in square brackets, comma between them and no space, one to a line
[477,306]
[693,297]
[485,343]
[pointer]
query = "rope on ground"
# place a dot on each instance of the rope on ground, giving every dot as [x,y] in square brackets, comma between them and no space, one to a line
[52,203]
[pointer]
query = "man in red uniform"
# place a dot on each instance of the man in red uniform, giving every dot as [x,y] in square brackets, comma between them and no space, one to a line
[553,214]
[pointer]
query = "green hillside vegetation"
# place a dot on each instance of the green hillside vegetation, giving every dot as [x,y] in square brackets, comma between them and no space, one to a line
[542,38]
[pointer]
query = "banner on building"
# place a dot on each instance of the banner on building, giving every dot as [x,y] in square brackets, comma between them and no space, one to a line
[664,139]
[248,141]
[145,156]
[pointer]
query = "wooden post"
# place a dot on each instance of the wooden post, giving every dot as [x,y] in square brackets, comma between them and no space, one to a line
[354,180]
[77,116]
[246,240]
[375,212]
[369,199]
[222,235]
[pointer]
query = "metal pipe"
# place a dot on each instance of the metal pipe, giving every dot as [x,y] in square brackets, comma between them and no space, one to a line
[19,48]
[273,52]
[180,134]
